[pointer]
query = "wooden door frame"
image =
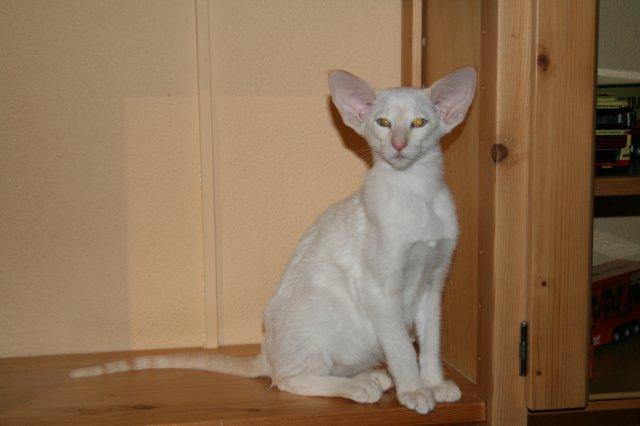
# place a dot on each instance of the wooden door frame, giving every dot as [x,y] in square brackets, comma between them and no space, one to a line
[503,138]
[531,55]
[505,102]
[561,203]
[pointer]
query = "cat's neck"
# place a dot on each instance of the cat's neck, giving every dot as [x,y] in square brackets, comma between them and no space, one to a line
[425,175]
[428,167]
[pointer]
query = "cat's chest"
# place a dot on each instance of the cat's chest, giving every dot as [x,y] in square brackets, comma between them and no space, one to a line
[409,217]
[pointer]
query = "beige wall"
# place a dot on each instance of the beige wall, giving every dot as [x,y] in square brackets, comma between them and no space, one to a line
[101,243]
[279,157]
[100,211]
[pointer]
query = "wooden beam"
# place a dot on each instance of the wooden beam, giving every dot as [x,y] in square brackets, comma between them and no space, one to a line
[505,122]
[411,49]
[452,33]
[608,186]
[561,203]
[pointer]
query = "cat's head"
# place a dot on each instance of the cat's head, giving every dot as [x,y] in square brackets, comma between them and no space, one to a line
[402,124]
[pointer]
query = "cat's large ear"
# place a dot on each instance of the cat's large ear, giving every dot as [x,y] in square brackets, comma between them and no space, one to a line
[352,96]
[452,95]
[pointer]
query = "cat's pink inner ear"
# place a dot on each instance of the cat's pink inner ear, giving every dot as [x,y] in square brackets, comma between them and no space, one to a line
[352,96]
[452,95]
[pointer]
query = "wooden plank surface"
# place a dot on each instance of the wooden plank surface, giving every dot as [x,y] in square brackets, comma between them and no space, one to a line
[627,403]
[598,405]
[607,186]
[586,417]
[452,32]
[487,291]
[38,390]
[411,33]
[561,191]
[505,124]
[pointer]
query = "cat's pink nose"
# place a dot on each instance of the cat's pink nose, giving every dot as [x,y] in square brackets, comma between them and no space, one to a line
[398,144]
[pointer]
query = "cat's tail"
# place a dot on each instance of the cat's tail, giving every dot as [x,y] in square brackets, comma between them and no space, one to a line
[255,366]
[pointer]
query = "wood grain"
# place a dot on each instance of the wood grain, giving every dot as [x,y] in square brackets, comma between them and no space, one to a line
[587,417]
[629,403]
[488,82]
[616,185]
[506,85]
[452,32]
[561,201]
[38,390]
[411,34]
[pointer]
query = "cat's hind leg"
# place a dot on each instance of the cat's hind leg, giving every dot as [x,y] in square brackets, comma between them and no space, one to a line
[366,387]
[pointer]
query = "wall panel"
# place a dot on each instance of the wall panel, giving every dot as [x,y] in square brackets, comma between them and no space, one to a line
[100,209]
[281,154]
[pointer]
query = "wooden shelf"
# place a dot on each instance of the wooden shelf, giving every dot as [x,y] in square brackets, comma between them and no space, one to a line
[616,183]
[617,372]
[38,389]
[607,186]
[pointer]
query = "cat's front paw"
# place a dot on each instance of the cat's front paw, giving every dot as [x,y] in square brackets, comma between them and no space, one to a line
[380,378]
[446,391]
[365,392]
[421,400]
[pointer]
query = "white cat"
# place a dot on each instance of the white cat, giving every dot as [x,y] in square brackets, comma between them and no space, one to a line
[367,278]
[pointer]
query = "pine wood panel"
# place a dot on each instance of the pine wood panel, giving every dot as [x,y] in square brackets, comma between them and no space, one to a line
[561,197]
[630,403]
[488,82]
[587,417]
[625,402]
[616,185]
[505,119]
[452,32]
[38,390]
[411,29]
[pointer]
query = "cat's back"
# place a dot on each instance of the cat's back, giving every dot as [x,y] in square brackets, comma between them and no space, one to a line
[336,233]
[347,215]
[324,253]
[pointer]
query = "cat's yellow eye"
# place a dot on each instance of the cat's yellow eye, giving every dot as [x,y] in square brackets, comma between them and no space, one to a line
[383,122]
[418,122]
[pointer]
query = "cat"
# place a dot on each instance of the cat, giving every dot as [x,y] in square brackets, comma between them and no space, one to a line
[366,279]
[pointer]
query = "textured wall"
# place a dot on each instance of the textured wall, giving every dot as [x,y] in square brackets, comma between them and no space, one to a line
[100,211]
[617,237]
[100,207]
[280,159]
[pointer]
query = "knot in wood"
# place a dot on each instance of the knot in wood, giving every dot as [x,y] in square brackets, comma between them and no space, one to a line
[543,62]
[143,407]
[499,152]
